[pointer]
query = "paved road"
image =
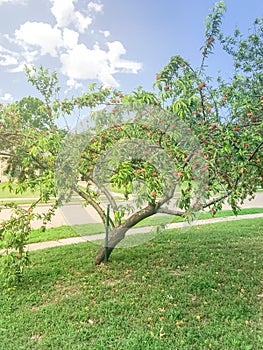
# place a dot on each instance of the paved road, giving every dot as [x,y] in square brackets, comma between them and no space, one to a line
[257,202]
[76,214]
[72,214]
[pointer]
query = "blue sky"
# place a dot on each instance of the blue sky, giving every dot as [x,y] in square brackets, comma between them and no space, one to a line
[121,43]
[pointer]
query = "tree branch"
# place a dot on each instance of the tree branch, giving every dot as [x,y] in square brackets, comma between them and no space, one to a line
[190,156]
[136,217]
[170,212]
[107,194]
[218,199]
[5,154]
[255,152]
[94,204]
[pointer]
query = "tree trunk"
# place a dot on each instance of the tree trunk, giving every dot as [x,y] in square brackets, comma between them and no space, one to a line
[118,233]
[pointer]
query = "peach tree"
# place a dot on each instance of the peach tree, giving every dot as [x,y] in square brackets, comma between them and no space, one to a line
[191,144]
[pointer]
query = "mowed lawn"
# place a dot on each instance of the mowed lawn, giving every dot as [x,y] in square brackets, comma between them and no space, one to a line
[199,289]
[6,193]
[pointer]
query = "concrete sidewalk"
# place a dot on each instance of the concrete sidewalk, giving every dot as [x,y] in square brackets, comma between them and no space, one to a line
[134,231]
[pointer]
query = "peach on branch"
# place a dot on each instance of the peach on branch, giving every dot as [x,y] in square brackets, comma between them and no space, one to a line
[202,85]
[209,41]
[213,212]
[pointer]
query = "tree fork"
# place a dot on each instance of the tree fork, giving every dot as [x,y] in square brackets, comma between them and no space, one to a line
[117,234]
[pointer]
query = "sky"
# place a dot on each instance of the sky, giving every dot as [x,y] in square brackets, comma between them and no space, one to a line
[118,43]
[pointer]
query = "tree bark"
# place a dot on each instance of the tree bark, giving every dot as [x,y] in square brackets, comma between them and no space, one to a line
[117,234]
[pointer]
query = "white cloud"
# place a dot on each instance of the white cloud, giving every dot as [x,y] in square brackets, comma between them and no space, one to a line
[70,38]
[47,38]
[82,22]
[83,63]
[7,60]
[4,50]
[78,61]
[6,97]
[19,68]
[63,10]
[106,77]
[30,56]
[116,49]
[73,84]
[8,57]
[65,14]
[97,7]
[106,33]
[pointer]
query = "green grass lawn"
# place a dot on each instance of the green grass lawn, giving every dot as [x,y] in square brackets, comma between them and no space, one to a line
[197,290]
[5,193]
[56,233]
[28,196]
[162,220]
